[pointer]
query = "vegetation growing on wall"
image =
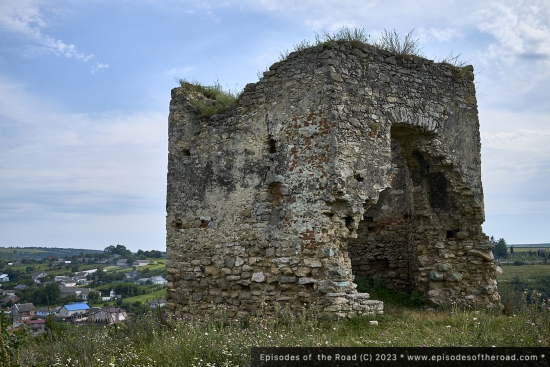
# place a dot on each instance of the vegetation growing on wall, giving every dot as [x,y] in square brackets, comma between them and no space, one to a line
[388,40]
[217,99]
[404,47]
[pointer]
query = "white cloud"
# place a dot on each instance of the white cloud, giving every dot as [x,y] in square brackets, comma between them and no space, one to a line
[178,71]
[73,163]
[522,29]
[99,66]
[519,140]
[23,17]
[437,34]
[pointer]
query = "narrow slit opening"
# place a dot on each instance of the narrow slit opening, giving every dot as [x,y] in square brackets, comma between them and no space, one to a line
[272,146]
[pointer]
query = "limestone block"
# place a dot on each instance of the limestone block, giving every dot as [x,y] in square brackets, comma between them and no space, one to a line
[424,260]
[436,276]
[486,255]
[453,277]
[312,263]
[211,270]
[287,280]
[339,300]
[302,271]
[258,277]
[444,267]
[436,285]
[306,280]
[462,235]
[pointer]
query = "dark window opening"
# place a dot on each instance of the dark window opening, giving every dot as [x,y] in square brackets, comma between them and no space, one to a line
[369,221]
[186,152]
[438,193]
[452,234]
[272,146]
[380,265]
[349,222]
[359,178]
[204,223]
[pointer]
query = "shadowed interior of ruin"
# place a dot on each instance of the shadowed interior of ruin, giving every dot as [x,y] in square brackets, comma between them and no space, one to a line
[406,214]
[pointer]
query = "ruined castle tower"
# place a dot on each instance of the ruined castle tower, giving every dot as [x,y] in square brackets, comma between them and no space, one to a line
[342,161]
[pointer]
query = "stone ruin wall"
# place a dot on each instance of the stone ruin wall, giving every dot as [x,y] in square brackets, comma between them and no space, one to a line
[341,161]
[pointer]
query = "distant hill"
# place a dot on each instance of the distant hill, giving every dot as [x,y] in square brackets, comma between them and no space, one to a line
[19,253]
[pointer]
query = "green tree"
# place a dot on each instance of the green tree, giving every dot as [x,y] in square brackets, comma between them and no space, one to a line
[94,297]
[51,293]
[70,298]
[500,250]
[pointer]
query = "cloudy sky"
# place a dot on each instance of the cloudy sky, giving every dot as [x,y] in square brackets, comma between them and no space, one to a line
[85,87]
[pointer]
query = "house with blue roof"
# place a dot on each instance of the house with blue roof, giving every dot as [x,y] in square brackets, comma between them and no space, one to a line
[72,309]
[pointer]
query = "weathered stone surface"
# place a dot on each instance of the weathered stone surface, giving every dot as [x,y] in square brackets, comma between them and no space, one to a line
[453,277]
[341,161]
[258,277]
[445,267]
[486,255]
[435,276]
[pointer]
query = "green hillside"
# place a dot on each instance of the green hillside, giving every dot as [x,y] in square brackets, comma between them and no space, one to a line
[36,253]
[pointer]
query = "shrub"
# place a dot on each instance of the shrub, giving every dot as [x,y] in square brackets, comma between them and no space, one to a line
[392,42]
[459,70]
[389,41]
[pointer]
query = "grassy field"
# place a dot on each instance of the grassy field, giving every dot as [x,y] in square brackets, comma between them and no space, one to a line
[160,293]
[527,273]
[149,341]
[17,253]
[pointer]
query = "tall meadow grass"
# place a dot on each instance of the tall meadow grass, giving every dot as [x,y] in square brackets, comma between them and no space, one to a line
[152,340]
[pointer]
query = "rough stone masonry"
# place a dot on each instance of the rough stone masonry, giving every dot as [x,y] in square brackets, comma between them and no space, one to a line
[342,161]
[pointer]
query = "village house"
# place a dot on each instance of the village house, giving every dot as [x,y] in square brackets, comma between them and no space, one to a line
[36,276]
[73,309]
[109,315]
[159,280]
[159,302]
[4,278]
[36,326]
[22,312]
[19,287]
[141,262]
[65,281]
[7,298]
[112,295]
[46,311]
[80,274]
[122,262]
[141,281]
[81,293]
